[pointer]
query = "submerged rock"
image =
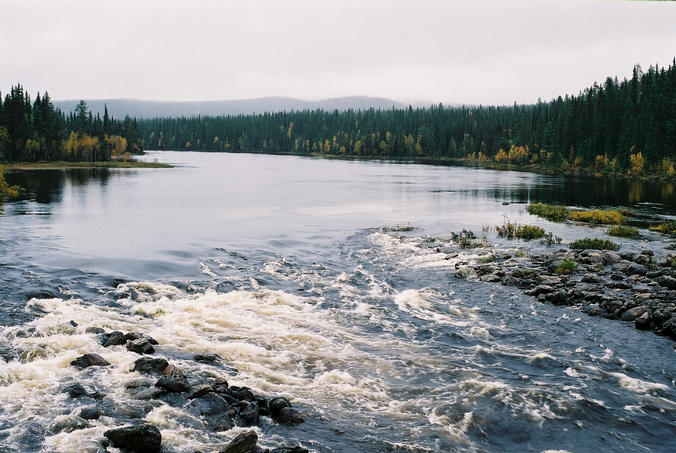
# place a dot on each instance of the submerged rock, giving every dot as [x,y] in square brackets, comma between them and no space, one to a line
[150,365]
[143,438]
[75,390]
[296,449]
[68,424]
[88,360]
[90,413]
[244,443]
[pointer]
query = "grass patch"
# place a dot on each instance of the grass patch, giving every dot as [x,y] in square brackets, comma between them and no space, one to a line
[555,213]
[610,217]
[512,230]
[622,231]
[594,244]
[487,259]
[550,239]
[566,267]
[665,227]
[399,229]
[466,239]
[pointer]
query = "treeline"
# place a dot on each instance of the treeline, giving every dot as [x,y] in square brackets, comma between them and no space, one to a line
[36,131]
[608,127]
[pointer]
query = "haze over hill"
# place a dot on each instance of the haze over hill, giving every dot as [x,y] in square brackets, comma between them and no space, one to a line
[119,108]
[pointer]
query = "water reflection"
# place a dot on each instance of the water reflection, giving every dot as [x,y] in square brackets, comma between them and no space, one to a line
[47,186]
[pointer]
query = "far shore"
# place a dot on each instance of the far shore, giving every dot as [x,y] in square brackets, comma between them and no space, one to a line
[63,164]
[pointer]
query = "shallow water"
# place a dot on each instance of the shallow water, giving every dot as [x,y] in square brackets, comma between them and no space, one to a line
[294,272]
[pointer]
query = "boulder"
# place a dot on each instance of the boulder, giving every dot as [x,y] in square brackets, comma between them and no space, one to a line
[199,391]
[90,413]
[140,346]
[643,321]
[112,339]
[245,442]
[667,281]
[133,336]
[206,357]
[467,273]
[275,405]
[147,393]
[68,424]
[87,360]
[289,416]
[633,313]
[634,269]
[248,414]
[540,289]
[143,438]
[173,380]
[610,257]
[296,449]
[150,365]
[209,404]
[75,390]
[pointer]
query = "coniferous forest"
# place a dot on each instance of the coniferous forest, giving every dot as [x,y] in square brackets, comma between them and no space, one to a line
[613,127]
[36,131]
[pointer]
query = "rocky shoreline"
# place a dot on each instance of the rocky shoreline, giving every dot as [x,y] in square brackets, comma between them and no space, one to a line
[219,406]
[630,287]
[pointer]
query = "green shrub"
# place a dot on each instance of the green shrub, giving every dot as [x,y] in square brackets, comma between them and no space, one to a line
[555,213]
[598,216]
[550,239]
[665,227]
[623,231]
[594,244]
[512,230]
[566,267]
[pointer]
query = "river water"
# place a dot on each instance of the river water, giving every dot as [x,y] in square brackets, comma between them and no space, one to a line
[315,280]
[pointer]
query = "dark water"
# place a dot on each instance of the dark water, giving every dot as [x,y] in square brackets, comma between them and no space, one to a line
[293,270]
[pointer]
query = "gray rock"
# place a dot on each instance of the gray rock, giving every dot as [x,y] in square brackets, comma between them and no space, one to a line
[667,281]
[94,330]
[150,365]
[634,268]
[289,416]
[244,443]
[249,414]
[112,339]
[296,449]
[466,273]
[540,289]
[143,438]
[75,390]
[90,413]
[87,360]
[173,380]
[209,404]
[147,393]
[140,346]
[275,405]
[610,257]
[633,313]
[199,391]
[643,321]
[68,424]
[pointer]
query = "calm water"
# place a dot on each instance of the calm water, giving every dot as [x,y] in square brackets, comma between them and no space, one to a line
[289,268]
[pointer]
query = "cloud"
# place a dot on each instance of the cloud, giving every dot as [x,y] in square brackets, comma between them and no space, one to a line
[452,51]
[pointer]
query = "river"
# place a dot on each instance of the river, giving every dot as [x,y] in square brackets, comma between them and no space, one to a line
[311,277]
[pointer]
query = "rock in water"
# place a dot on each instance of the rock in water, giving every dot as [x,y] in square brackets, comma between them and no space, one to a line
[173,380]
[289,416]
[276,405]
[244,443]
[210,404]
[90,413]
[140,346]
[87,360]
[296,449]
[112,339]
[68,423]
[150,365]
[143,438]
[75,390]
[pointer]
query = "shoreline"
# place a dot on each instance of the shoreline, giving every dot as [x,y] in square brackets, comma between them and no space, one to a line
[59,165]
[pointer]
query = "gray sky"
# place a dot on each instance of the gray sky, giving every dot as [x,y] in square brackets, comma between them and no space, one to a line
[480,51]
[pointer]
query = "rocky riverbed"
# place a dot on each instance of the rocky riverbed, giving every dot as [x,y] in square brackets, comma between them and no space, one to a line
[630,287]
[153,382]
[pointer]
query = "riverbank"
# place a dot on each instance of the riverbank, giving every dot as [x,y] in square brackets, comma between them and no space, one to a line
[63,164]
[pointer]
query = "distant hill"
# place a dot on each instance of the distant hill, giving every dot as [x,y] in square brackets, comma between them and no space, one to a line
[151,109]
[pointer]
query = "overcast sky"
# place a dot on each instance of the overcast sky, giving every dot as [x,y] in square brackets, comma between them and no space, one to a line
[479,51]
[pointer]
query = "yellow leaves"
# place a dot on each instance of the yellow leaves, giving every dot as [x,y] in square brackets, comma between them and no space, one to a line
[636,163]
[501,156]
[668,167]
[117,144]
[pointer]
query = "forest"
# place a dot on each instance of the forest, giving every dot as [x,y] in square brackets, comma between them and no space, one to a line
[626,126]
[36,131]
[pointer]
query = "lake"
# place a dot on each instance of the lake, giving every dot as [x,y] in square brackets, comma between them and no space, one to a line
[311,278]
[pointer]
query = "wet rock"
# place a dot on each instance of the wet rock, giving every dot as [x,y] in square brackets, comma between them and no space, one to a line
[122,410]
[245,442]
[467,273]
[88,360]
[68,424]
[594,310]
[94,330]
[540,289]
[633,313]
[143,438]
[275,405]
[206,357]
[242,393]
[642,259]
[173,380]
[620,285]
[140,346]
[73,323]
[262,404]
[220,424]
[592,278]
[209,404]
[643,321]
[221,386]
[199,391]
[90,413]
[150,365]
[147,393]
[610,257]
[75,390]
[34,354]
[634,268]
[133,336]
[112,339]
[289,416]
[558,298]
[617,277]
[249,414]
[667,281]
